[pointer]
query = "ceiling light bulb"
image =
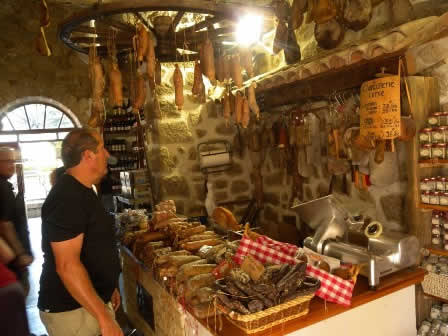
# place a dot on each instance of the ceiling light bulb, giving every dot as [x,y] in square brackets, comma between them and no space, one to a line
[248,30]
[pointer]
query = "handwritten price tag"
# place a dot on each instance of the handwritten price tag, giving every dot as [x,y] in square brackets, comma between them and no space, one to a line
[380,108]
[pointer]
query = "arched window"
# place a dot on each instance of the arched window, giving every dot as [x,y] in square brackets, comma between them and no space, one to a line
[36,119]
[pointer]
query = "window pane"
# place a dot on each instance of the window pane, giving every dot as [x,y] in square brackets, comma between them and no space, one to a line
[36,114]
[53,117]
[37,137]
[18,119]
[62,135]
[8,138]
[6,125]
[66,122]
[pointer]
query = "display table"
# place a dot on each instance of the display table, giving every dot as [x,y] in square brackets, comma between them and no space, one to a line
[388,311]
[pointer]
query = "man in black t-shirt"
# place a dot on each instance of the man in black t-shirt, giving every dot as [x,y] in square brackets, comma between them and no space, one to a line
[13,223]
[78,285]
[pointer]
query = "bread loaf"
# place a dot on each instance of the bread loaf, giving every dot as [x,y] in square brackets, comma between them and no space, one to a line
[187,271]
[196,245]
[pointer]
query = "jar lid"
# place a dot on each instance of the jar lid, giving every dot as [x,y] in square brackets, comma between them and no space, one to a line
[433,179]
[427,145]
[426,192]
[436,114]
[426,179]
[443,128]
[441,145]
[442,178]
[425,130]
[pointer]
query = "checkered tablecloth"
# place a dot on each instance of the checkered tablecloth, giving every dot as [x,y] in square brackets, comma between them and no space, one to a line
[266,250]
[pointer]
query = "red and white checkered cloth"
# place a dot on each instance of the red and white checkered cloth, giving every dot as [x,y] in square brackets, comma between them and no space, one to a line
[266,250]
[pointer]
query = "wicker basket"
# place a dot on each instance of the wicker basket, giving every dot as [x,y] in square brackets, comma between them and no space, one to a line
[270,317]
[436,285]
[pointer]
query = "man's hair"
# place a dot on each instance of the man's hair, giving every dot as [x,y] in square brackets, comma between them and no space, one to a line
[74,144]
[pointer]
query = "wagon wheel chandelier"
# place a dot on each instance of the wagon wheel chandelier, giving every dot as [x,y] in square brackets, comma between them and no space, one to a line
[178,26]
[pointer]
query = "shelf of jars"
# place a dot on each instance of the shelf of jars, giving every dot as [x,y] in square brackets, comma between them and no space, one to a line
[437,251]
[433,163]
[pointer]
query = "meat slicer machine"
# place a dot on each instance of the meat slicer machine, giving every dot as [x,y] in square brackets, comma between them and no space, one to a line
[352,241]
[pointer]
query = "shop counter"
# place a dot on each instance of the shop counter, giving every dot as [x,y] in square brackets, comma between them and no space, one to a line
[387,311]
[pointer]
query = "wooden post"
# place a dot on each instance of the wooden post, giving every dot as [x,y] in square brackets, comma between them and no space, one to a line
[424,92]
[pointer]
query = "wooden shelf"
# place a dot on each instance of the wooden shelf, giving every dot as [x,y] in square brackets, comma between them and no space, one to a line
[436,298]
[433,207]
[433,163]
[440,252]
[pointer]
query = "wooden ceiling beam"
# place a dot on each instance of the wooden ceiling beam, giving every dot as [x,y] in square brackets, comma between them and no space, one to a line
[177,19]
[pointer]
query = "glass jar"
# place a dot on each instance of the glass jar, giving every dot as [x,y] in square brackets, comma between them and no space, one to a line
[434,197]
[425,135]
[441,183]
[444,131]
[436,230]
[444,119]
[433,183]
[443,331]
[424,328]
[436,240]
[435,219]
[424,184]
[438,135]
[438,151]
[425,197]
[425,151]
[444,198]
[435,119]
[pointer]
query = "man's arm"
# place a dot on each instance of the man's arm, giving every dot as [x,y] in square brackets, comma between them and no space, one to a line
[76,279]
[8,233]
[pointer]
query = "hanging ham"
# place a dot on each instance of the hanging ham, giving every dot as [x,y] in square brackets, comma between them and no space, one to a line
[115,86]
[235,69]
[323,11]
[281,37]
[252,99]
[227,64]
[292,51]
[297,12]
[143,38]
[402,11]
[328,35]
[246,61]
[156,107]
[220,69]
[208,68]
[357,14]
[178,82]
[97,85]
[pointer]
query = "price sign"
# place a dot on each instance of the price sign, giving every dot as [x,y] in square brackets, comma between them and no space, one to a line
[380,108]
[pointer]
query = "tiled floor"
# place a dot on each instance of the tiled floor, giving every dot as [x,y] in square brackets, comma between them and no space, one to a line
[36,326]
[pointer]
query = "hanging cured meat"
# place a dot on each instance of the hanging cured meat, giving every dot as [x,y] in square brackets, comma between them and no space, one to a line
[292,51]
[245,118]
[246,61]
[329,35]
[143,38]
[226,68]
[178,82]
[252,100]
[402,11]
[235,69]
[232,105]
[197,79]
[115,86]
[150,61]
[220,68]
[282,9]
[226,109]
[238,108]
[42,46]
[281,37]
[140,93]
[158,75]
[97,85]
[357,14]
[208,68]
[323,11]
[297,13]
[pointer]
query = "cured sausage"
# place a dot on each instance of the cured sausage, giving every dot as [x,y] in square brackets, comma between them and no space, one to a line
[236,71]
[143,38]
[220,69]
[115,85]
[292,51]
[197,79]
[208,68]
[178,87]
[226,109]
[226,68]
[140,93]
[151,62]
[297,13]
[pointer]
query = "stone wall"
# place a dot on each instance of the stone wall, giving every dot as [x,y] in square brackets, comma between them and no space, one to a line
[173,154]
[62,77]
